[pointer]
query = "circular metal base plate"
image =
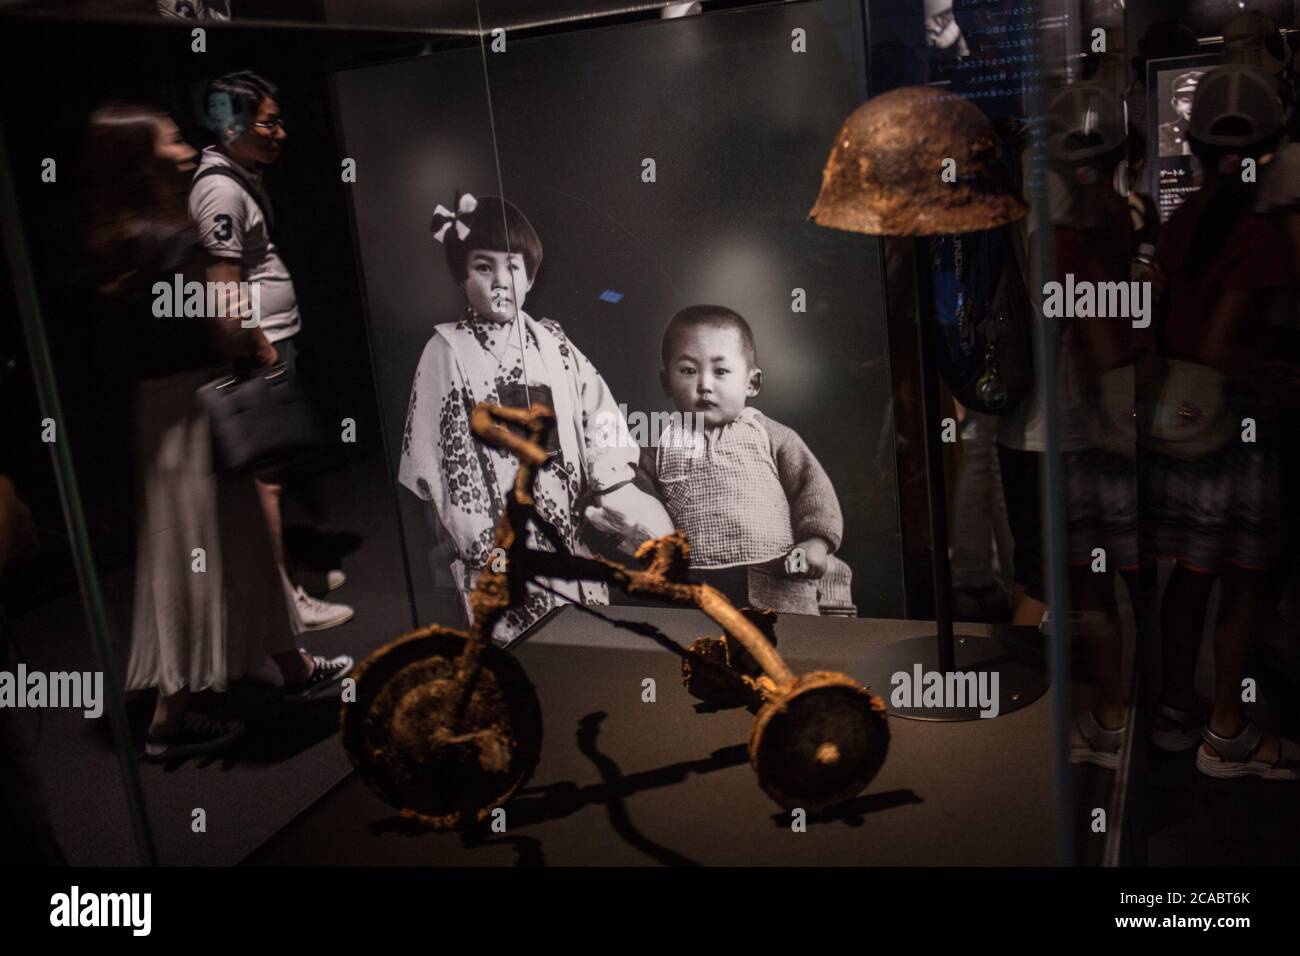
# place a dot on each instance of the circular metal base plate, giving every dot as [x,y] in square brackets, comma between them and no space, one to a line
[1014,654]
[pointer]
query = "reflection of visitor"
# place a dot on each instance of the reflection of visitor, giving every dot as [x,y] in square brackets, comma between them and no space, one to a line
[231,208]
[1210,500]
[1173,134]
[190,632]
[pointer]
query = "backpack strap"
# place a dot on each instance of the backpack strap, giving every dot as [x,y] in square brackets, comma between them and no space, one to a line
[228,173]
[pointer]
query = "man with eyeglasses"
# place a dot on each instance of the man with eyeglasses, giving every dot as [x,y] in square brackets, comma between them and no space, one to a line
[232,211]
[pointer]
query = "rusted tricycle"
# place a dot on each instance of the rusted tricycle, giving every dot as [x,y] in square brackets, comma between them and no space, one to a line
[446,726]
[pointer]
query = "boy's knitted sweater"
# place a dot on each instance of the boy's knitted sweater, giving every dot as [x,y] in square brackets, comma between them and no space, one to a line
[743,493]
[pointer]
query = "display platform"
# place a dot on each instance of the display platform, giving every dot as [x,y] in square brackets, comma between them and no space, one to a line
[624,781]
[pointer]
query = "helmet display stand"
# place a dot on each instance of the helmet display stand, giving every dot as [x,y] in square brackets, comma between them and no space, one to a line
[1014,654]
[884,178]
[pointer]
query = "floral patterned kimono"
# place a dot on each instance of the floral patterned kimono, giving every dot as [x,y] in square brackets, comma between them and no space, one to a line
[479,360]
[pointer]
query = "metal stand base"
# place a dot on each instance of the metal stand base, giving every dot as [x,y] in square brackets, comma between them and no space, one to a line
[1014,654]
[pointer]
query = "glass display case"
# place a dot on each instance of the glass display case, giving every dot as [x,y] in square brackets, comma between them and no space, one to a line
[960,333]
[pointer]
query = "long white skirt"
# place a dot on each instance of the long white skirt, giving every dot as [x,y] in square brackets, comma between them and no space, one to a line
[211,604]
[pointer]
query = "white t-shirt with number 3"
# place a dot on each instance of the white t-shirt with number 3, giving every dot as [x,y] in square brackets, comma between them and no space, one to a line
[231,226]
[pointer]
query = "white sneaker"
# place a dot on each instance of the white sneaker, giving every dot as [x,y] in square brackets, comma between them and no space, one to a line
[317,615]
[321,582]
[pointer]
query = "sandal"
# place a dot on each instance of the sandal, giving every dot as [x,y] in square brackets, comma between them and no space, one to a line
[1187,733]
[1233,756]
[1103,745]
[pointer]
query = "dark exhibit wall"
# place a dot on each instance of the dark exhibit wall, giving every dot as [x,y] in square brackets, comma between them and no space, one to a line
[418,130]
[738,125]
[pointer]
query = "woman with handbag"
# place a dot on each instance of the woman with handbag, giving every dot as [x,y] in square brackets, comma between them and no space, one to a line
[1210,463]
[209,599]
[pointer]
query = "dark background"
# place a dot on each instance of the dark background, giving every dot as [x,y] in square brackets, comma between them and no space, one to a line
[739,127]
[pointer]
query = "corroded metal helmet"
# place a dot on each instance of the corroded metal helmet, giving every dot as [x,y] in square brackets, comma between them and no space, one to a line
[885,175]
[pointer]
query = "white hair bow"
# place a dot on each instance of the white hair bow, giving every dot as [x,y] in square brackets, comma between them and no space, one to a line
[444,218]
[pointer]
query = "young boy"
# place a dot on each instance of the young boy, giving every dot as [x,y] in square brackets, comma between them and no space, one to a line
[753,497]
[497,353]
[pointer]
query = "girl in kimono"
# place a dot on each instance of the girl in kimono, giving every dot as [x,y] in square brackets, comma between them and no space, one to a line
[495,352]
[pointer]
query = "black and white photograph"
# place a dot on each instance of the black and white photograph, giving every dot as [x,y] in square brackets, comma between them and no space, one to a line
[1177,90]
[1171,89]
[625,204]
